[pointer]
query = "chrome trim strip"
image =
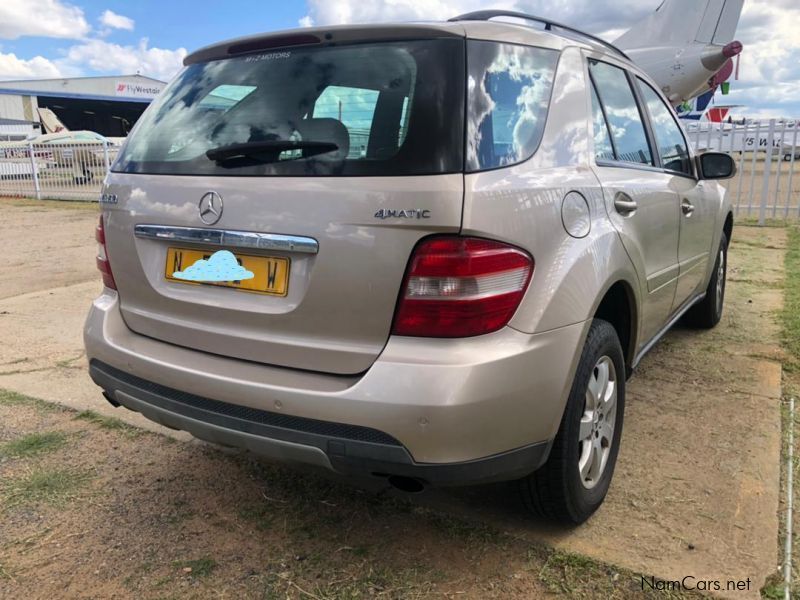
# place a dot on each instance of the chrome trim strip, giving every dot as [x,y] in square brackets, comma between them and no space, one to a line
[229,237]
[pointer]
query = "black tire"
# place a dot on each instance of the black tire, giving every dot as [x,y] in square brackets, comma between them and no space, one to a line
[708,312]
[557,490]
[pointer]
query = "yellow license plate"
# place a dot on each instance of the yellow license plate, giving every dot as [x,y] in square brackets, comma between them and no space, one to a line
[270,274]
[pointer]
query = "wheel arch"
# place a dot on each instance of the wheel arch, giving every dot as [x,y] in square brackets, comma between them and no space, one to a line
[727,228]
[618,306]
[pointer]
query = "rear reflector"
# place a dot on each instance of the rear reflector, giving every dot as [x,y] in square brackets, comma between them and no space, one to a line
[102,256]
[460,287]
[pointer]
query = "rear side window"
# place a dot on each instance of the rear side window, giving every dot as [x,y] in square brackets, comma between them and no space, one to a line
[603,150]
[669,139]
[390,108]
[624,119]
[508,89]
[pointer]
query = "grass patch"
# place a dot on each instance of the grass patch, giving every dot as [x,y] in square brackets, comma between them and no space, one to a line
[460,529]
[52,486]
[361,581]
[260,515]
[33,444]
[576,576]
[109,423]
[182,512]
[791,305]
[201,567]
[565,573]
[4,573]
[86,205]
[9,398]
[774,587]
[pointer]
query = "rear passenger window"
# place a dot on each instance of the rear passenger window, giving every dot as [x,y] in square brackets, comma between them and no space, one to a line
[603,150]
[624,119]
[669,139]
[508,88]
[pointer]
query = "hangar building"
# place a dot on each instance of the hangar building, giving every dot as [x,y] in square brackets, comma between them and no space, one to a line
[108,105]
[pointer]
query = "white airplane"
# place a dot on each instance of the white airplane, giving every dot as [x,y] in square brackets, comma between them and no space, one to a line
[686,46]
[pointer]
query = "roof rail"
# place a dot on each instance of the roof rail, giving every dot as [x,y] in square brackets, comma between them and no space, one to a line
[485,15]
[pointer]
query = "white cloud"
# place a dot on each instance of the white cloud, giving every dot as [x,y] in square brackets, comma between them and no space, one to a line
[95,57]
[324,12]
[48,18]
[111,19]
[91,55]
[596,16]
[12,67]
[105,57]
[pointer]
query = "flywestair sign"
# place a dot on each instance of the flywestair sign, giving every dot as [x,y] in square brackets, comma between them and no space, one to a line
[138,90]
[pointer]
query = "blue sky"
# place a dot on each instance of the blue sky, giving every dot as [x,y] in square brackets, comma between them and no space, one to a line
[170,24]
[68,38]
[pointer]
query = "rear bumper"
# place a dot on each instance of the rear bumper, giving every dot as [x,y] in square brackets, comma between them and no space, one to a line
[445,411]
[222,424]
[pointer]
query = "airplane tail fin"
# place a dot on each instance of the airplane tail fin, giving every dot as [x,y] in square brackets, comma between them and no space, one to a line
[696,109]
[679,22]
[50,122]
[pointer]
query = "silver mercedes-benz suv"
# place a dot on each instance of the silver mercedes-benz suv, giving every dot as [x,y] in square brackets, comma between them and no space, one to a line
[430,253]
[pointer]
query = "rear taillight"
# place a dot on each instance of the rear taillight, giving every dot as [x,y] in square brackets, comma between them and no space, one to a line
[460,287]
[102,256]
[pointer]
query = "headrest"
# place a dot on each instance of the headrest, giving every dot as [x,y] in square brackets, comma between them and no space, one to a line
[326,130]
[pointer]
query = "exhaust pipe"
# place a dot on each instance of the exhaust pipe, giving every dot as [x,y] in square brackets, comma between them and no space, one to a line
[409,485]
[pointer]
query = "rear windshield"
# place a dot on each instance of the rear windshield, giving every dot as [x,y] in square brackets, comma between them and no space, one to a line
[393,108]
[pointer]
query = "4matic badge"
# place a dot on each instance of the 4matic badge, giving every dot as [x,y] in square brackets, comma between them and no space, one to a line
[407,213]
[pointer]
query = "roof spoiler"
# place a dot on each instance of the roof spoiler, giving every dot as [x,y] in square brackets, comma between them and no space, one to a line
[321,36]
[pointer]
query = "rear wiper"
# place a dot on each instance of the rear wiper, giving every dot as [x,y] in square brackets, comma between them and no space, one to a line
[249,149]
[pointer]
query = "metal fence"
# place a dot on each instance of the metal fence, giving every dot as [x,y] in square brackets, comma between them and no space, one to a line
[767,183]
[72,171]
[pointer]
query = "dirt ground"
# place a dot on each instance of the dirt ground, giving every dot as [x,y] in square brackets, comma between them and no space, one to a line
[695,491]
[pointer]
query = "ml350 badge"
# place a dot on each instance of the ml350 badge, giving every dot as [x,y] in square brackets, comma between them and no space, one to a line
[244,272]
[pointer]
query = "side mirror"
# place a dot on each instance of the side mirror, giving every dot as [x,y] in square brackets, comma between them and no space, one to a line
[716,165]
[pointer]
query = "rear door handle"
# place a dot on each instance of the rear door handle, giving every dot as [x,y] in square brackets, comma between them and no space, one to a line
[624,204]
[687,207]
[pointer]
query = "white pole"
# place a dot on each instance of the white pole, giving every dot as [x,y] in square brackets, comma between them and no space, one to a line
[791,172]
[34,172]
[787,556]
[762,209]
[779,159]
[105,156]
[741,165]
[753,167]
